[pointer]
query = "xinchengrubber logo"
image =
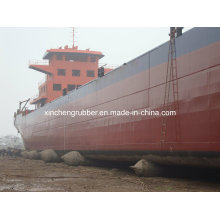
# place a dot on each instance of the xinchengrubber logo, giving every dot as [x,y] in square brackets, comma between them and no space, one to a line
[87,112]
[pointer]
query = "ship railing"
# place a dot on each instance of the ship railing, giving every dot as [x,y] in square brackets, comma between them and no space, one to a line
[34,97]
[39,62]
[110,66]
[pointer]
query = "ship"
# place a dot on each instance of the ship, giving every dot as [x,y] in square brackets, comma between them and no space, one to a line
[186,69]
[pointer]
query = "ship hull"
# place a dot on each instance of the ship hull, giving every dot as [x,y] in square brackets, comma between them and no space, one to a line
[139,85]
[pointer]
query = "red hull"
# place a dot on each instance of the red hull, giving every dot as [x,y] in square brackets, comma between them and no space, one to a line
[131,87]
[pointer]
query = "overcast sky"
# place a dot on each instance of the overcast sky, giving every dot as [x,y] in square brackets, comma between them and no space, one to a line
[20,45]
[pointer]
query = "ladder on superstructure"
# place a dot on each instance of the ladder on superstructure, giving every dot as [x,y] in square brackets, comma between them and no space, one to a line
[171,83]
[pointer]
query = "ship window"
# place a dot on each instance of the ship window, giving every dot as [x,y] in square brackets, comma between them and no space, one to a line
[78,86]
[75,72]
[67,58]
[59,57]
[77,58]
[71,87]
[90,73]
[57,87]
[61,72]
[93,58]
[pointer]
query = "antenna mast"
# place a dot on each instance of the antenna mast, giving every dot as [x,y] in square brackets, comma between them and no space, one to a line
[73,38]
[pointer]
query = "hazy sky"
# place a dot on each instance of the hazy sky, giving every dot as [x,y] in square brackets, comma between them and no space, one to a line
[18,46]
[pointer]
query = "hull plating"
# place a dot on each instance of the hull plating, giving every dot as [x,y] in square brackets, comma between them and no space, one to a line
[139,84]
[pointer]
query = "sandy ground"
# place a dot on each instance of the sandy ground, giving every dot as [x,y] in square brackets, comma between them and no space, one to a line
[18,174]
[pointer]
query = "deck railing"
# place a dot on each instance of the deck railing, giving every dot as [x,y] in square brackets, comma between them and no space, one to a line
[34,97]
[110,66]
[39,62]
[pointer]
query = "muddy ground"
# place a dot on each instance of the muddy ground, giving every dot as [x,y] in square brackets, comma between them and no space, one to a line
[18,174]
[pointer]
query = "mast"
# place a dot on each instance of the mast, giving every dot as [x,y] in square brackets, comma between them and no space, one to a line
[171,84]
[73,37]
